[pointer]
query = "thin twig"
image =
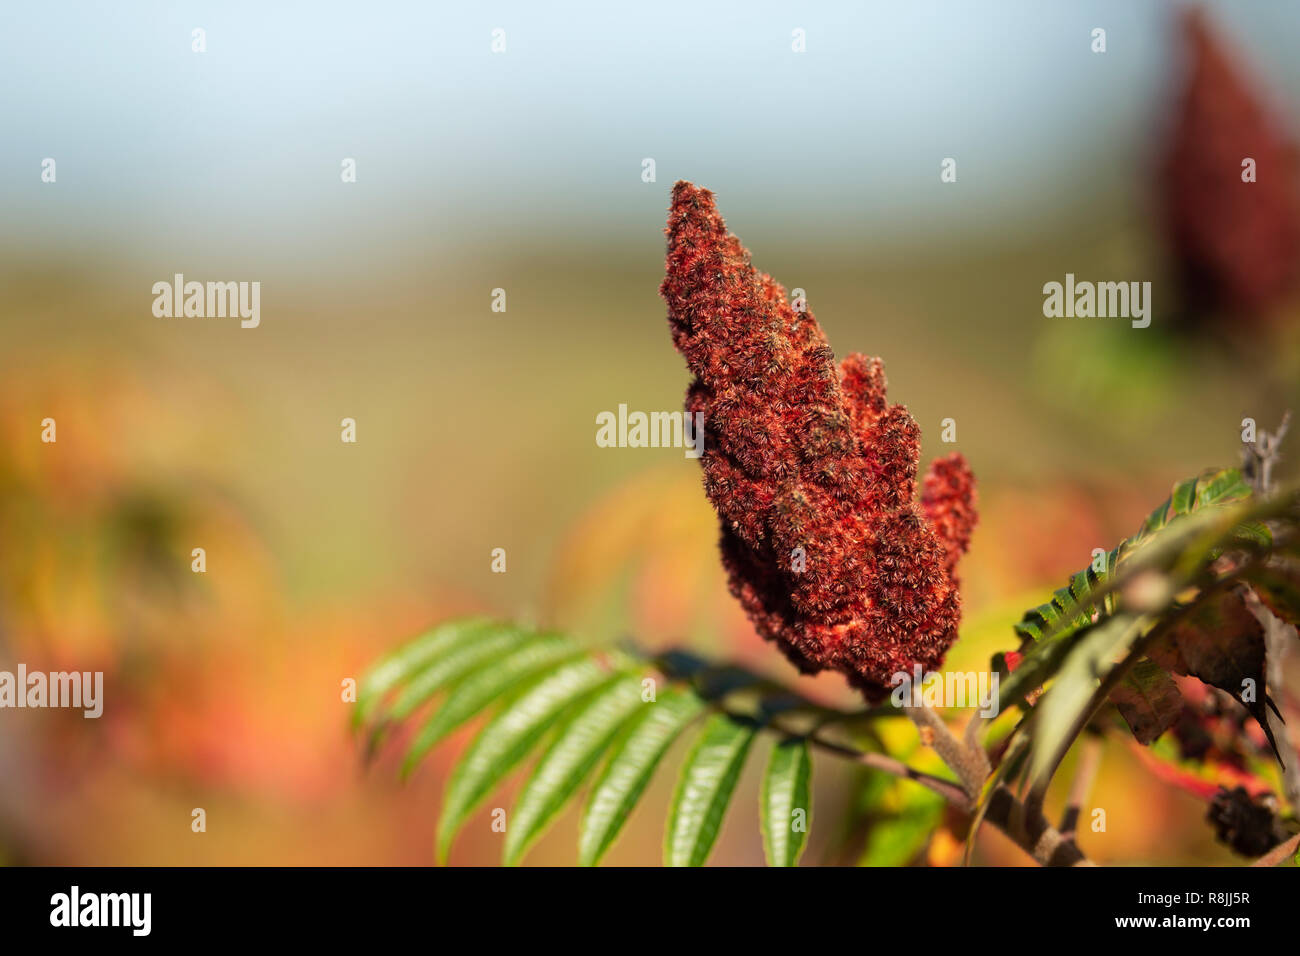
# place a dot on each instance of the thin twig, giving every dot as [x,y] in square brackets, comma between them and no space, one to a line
[1032,832]
[971,741]
[1027,828]
[1279,853]
[950,791]
[1258,461]
[1258,458]
[1025,825]
[1084,775]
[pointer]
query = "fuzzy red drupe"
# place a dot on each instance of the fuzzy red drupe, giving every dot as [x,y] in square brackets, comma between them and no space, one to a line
[812,472]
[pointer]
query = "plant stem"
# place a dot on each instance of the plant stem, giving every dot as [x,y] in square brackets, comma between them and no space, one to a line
[1084,774]
[1031,831]
[950,791]
[1026,827]
[955,754]
[1258,460]
[1279,853]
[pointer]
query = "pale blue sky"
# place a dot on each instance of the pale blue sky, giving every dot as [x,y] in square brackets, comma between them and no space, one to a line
[157,145]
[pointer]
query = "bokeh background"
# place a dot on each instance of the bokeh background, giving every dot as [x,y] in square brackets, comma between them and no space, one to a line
[522,170]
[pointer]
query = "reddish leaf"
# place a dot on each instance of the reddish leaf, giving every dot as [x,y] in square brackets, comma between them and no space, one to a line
[1222,643]
[1148,700]
[1278,588]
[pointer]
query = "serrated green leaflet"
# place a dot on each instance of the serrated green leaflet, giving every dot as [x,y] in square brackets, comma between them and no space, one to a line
[1055,716]
[1223,487]
[1069,607]
[409,658]
[704,789]
[485,685]
[632,763]
[507,739]
[1184,494]
[1054,626]
[784,806]
[568,760]
[450,667]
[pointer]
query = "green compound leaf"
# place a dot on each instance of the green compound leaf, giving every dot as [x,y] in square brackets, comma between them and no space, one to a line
[1071,607]
[410,658]
[447,669]
[1054,718]
[1058,628]
[508,738]
[705,788]
[486,685]
[568,760]
[785,804]
[631,765]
